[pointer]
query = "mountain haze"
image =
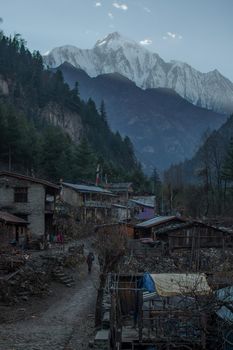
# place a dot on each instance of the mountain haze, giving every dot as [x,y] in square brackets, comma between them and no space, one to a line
[116,54]
[212,151]
[164,127]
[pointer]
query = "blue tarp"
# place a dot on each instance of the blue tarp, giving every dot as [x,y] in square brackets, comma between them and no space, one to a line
[148,283]
[226,296]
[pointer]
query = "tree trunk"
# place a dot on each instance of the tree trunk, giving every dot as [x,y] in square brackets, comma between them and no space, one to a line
[99,300]
[9,159]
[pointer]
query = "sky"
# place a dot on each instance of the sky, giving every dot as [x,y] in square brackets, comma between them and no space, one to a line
[199,32]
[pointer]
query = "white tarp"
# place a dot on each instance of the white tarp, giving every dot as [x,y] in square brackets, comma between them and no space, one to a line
[172,284]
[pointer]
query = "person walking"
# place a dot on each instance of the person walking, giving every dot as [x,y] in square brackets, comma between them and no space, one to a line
[90,259]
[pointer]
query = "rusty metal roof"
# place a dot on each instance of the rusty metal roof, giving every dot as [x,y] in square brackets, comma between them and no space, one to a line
[8,218]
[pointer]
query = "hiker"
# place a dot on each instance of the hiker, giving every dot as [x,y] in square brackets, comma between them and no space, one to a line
[90,259]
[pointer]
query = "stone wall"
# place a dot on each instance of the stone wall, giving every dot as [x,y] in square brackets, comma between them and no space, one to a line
[71,196]
[34,208]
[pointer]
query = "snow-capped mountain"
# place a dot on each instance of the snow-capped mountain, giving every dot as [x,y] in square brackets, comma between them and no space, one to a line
[115,53]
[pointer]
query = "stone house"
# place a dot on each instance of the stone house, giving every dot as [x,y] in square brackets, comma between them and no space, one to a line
[93,203]
[30,199]
[123,190]
[143,207]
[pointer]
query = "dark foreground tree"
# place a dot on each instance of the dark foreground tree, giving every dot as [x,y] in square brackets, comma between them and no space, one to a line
[110,246]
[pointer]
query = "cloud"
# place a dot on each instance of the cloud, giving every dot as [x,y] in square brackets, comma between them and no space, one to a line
[146,42]
[172,36]
[110,15]
[123,7]
[147,9]
[98,4]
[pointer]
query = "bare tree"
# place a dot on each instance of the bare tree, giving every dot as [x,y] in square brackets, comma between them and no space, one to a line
[110,246]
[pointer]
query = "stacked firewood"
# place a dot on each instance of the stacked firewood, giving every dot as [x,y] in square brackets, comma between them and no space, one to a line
[32,275]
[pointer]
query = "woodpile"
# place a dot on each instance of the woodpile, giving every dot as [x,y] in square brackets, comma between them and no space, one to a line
[11,260]
[32,276]
[28,280]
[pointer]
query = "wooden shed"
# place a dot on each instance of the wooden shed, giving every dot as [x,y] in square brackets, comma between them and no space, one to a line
[11,228]
[149,228]
[193,235]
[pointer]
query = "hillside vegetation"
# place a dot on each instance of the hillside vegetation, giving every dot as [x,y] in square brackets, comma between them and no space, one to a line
[203,185]
[46,129]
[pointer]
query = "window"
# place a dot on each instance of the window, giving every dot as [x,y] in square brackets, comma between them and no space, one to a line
[21,194]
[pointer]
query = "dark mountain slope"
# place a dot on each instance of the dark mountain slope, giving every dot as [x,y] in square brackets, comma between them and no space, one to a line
[212,154]
[43,121]
[164,127]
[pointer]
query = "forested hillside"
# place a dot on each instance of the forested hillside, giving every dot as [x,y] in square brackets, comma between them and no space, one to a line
[45,127]
[164,127]
[203,184]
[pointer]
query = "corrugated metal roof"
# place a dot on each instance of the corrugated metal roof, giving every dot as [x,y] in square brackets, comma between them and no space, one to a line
[225,295]
[157,220]
[120,187]
[10,218]
[142,203]
[225,313]
[88,189]
[119,206]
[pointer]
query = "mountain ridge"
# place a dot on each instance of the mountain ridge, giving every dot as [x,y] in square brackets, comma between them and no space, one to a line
[163,126]
[45,126]
[114,53]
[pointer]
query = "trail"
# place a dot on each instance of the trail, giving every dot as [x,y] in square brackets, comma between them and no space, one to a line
[66,325]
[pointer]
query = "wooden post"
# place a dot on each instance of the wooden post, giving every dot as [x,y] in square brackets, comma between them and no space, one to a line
[140,314]
[223,245]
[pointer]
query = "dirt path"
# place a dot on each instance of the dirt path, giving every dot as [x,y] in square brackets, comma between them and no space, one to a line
[66,325]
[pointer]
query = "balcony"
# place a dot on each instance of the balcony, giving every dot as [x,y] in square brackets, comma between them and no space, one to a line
[96,204]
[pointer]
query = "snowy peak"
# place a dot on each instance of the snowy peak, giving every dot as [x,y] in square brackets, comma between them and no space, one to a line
[114,40]
[109,38]
[117,54]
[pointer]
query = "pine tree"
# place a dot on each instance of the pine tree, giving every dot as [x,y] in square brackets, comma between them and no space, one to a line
[85,162]
[103,113]
[227,171]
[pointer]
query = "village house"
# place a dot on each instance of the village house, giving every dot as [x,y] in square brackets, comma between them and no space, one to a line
[186,241]
[193,235]
[123,190]
[30,199]
[12,228]
[143,207]
[94,203]
[180,233]
[120,212]
[148,228]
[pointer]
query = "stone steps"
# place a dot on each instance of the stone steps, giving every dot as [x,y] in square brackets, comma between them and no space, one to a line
[62,277]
